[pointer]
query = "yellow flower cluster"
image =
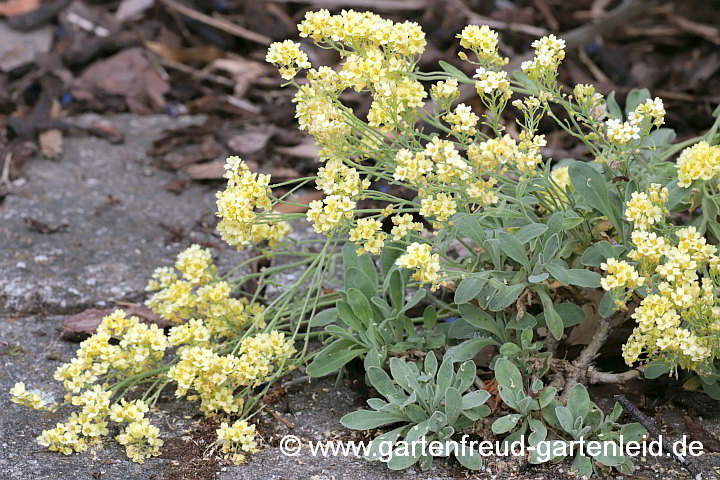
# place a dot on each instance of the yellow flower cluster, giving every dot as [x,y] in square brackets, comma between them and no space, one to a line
[496,154]
[215,377]
[412,167]
[449,165]
[21,396]
[462,120]
[440,206]
[621,133]
[652,109]
[419,257]
[128,411]
[699,162]
[141,440]
[395,102]
[492,155]
[87,427]
[549,52]
[120,344]
[481,192]
[194,332]
[659,333]
[492,83]
[364,30]
[317,109]
[368,235]
[199,297]
[647,209]
[649,248]
[620,274]
[288,57]
[195,264]
[238,437]
[328,213]
[336,178]
[483,43]
[445,90]
[403,224]
[378,55]
[245,192]
[678,321]
[586,95]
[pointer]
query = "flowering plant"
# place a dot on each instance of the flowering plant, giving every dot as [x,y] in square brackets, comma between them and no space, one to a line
[442,196]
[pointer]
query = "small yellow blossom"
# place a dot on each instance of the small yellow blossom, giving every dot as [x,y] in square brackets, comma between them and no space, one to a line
[621,133]
[404,224]
[418,257]
[238,437]
[288,57]
[620,274]
[699,162]
[441,206]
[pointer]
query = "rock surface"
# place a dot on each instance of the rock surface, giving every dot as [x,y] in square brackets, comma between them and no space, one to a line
[119,220]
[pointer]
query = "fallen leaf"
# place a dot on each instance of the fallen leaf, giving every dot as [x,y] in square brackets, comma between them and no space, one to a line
[207,149]
[51,143]
[301,202]
[177,186]
[132,9]
[128,74]
[206,171]
[303,150]
[107,130]
[17,7]
[204,54]
[696,431]
[80,326]
[247,143]
[244,72]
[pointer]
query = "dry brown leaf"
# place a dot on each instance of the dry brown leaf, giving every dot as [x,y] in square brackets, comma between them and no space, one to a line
[84,324]
[11,8]
[204,54]
[244,72]
[206,171]
[696,431]
[247,143]
[127,74]
[51,143]
[301,201]
[584,332]
[208,149]
[303,150]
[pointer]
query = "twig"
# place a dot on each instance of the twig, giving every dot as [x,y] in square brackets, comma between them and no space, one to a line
[650,426]
[5,176]
[219,23]
[575,371]
[197,73]
[280,418]
[297,381]
[547,14]
[474,18]
[595,376]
